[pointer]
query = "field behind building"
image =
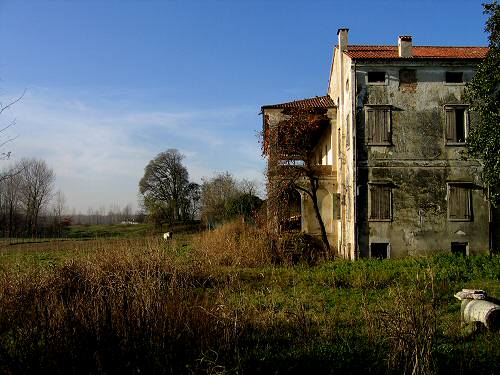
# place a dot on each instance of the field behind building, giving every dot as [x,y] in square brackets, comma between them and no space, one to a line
[222,302]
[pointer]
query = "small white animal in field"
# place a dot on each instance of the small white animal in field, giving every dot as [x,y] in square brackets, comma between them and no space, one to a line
[168,236]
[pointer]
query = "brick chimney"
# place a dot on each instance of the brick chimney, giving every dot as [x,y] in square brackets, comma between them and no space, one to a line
[405,46]
[342,34]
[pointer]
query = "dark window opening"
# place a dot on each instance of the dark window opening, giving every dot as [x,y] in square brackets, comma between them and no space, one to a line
[291,219]
[456,124]
[376,77]
[459,248]
[454,77]
[380,202]
[380,250]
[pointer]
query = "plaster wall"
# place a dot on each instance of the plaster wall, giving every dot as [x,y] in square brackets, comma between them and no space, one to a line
[419,164]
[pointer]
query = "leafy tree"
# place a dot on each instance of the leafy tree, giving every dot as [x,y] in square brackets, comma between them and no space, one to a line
[244,205]
[483,94]
[168,195]
[289,147]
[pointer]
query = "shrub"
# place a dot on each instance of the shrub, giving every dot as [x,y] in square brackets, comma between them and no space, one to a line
[233,244]
[296,247]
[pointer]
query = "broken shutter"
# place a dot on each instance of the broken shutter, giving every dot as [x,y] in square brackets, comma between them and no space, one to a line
[451,125]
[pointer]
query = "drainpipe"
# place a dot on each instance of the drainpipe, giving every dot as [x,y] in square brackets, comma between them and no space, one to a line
[355,160]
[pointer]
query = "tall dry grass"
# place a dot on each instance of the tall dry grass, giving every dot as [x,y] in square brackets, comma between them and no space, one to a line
[120,309]
[233,244]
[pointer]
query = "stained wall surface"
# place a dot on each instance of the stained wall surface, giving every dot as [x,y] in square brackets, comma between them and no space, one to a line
[419,165]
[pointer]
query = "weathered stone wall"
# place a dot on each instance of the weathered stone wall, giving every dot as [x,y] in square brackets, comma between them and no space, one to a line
[419,164]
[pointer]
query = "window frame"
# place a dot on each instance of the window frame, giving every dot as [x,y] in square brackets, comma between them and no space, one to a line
[388,249]
[378,107]
[462,185]
[454,107]
[380,185]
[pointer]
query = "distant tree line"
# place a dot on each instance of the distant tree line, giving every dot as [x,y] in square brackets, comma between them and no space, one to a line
[112,215]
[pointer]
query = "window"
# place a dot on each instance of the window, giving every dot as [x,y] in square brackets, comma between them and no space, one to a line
[376,77]
[456,119]
[379,250]
[380,202]
[336,206]
[459,248]
[454,77]
[459,202]
[378,125]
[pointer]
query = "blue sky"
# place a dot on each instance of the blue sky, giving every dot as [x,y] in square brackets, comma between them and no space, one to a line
[110,84]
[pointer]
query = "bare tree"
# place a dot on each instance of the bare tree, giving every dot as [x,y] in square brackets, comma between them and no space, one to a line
[10,196]
[37,184]
[59,210]
[217,193]
[7,139]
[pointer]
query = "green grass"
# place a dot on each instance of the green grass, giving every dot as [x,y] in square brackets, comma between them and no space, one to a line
[115,230]
[140,304]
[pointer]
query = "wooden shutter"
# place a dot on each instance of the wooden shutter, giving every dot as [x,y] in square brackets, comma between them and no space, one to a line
[463,203]
[386,126]
[380,202]
[379,126]
[370,125]
[459,202]
[451,123]
[374,202]
[453,202]
[385,202]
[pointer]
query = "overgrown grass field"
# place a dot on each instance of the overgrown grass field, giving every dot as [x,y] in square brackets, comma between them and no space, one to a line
[218,302]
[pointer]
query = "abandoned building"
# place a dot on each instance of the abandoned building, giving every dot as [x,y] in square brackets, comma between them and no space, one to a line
[396,182]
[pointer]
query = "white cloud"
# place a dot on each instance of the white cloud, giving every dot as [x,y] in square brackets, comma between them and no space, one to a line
[99,152]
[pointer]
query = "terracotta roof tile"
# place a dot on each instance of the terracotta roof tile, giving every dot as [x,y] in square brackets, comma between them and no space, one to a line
[317,102]
[419,52]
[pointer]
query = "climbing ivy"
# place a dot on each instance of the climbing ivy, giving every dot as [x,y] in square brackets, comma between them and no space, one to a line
[483,95]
